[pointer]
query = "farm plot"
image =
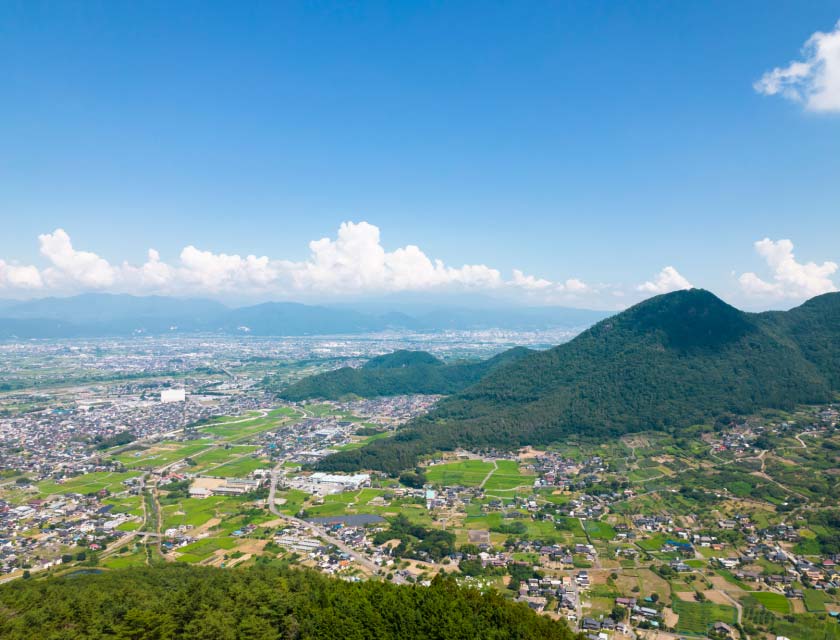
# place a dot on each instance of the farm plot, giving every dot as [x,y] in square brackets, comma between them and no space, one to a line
[696,617]
[467,473]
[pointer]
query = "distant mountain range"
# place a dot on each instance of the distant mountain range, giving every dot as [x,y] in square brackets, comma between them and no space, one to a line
[670,362]
[401,372]
[92,315]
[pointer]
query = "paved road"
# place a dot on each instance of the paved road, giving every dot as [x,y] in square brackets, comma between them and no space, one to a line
[315,529]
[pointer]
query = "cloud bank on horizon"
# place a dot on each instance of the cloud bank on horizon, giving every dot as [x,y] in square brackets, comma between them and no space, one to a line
[352,263]
[814,80]
[355,263]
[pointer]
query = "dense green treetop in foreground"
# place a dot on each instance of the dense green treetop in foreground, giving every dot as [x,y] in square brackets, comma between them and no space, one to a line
[397,373]
[667,363]
[260,603]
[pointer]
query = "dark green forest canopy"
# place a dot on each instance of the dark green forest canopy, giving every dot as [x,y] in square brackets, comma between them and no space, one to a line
[260,603]
[398,373]
[667,363]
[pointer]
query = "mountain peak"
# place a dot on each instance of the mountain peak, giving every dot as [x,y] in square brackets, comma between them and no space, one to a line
[402,358]
[690,318]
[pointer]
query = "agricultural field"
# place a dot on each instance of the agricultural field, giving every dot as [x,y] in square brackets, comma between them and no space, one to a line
[508,476]
[358,503]
[293,501]
[599,530]
[815,600]
[198,511]
[218,456]
[808,627]
[125,504]
[201,549]
[231,429]
[122,560]
[88,483]
[239,468]
[361,441]
[696,617]
[771,601]
[162,454]
[467,473]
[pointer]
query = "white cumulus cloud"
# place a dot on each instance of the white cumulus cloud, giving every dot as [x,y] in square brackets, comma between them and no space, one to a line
[790,279]
[814,80]
[71,266]
[353,262]
[667,280]
[19,277]
[529,282]
[356,261]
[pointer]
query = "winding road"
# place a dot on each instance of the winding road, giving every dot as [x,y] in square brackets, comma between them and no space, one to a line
[363,560]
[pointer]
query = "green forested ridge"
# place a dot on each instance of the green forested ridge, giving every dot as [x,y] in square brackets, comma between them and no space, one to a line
[664,364]
[398,373]
[201,603]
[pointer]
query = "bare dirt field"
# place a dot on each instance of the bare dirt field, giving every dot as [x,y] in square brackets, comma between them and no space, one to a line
[717,597]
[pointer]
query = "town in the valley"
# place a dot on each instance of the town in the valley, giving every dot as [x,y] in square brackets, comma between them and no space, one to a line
[182,452]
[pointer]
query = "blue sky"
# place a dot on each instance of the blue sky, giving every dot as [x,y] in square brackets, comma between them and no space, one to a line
[587,145]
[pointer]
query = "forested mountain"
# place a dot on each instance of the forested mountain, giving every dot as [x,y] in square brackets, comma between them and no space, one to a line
[107,307]
[200,603]
[98,314]
[666,363]
[103,314]
[293,319]
[398,373]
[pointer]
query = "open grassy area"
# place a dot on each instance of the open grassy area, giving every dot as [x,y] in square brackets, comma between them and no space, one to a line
[123,560]
[239,468]
[232,428]
[320,410]
[294,499]
[358,444]
[808,627]
[204,548]
[508,476]
[197,511]
[641,475]
[218,456]
[815,600]
[468,473]
[654,542]
[544,530]
[88,483]
[599,530]
[771,601]
[236,429]
[163,453]
[131,505]
[695,617]
[731,579]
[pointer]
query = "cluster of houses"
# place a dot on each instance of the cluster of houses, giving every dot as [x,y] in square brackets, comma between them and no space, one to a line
[63,440]
[60,523]
[564,474]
